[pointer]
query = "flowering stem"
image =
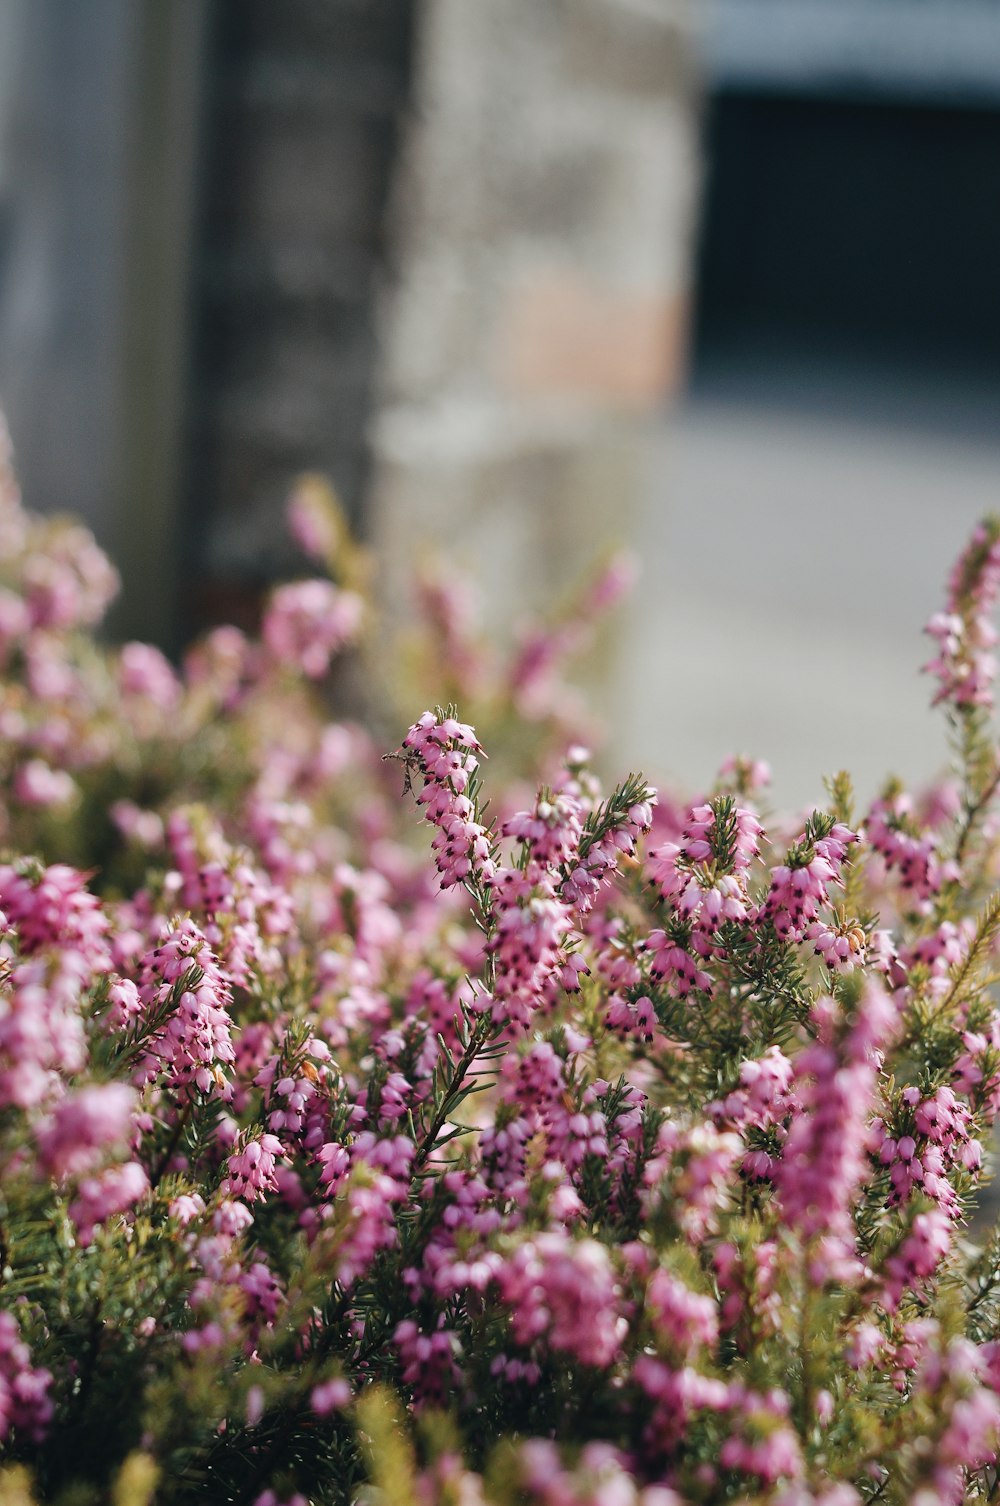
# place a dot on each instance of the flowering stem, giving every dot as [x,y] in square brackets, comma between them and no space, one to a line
[477,1040]
[808,1402]
[985,932]
[182,1122]
[973,810]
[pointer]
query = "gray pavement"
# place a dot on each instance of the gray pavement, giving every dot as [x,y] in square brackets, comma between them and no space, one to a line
[790,555]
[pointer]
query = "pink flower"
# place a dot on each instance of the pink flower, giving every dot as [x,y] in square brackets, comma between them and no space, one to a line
[35,783]
[84,1127]
[312,521]
[310,621]
[14,620]
[25,1404]
[673,960]
[101,1197]
[187,1207]
[683,1320]
[914,854]
[530,927]
[703,875]
[566,1290]
[964,665]
[52,907]
[251,1170]
[194,1044]
[927,1244]
[70,582]
[145,674]
[803,883]
[329,1396]
[824,1160]
[427,1361]
[444,754]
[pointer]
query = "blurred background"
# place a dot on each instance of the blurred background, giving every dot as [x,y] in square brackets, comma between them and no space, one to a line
[713,278]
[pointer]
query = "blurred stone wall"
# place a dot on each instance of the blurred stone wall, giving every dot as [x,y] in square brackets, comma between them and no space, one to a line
[446,260]
[301,140]
[542,219]
[437,249]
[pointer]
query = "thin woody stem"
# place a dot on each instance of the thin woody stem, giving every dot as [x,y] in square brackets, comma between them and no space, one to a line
[477,1040]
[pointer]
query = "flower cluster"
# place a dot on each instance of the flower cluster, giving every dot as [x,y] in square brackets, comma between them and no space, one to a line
[896,835]
[965,666]
[443,751]
[307,623]
[25,1404]
[802,885]
[635,1155]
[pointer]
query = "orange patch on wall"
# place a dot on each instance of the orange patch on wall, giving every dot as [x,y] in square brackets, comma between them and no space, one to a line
[562,336]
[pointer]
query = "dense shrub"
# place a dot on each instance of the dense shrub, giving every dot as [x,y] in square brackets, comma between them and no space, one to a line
[626,1152]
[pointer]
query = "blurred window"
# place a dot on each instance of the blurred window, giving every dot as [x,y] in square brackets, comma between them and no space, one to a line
[850,207]
[907,49]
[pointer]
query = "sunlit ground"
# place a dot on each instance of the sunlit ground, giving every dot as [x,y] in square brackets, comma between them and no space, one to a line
[798,533]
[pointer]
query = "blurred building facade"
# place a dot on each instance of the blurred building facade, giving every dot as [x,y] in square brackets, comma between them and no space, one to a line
[438,250]
[851,205]
[840,433]
[306,106]
[545,210]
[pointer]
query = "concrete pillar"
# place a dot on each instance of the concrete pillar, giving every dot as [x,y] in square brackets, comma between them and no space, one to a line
[537,311]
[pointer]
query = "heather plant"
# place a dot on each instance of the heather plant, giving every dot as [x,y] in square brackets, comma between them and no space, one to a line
[585,1148]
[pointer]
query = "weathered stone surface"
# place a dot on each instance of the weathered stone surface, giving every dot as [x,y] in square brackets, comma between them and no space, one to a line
[525,523]
[288,271]
[303,140]
[636,46]
[542,222]
[320,85]
[522,243]
[352,27]
[561,335]
[286,175]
